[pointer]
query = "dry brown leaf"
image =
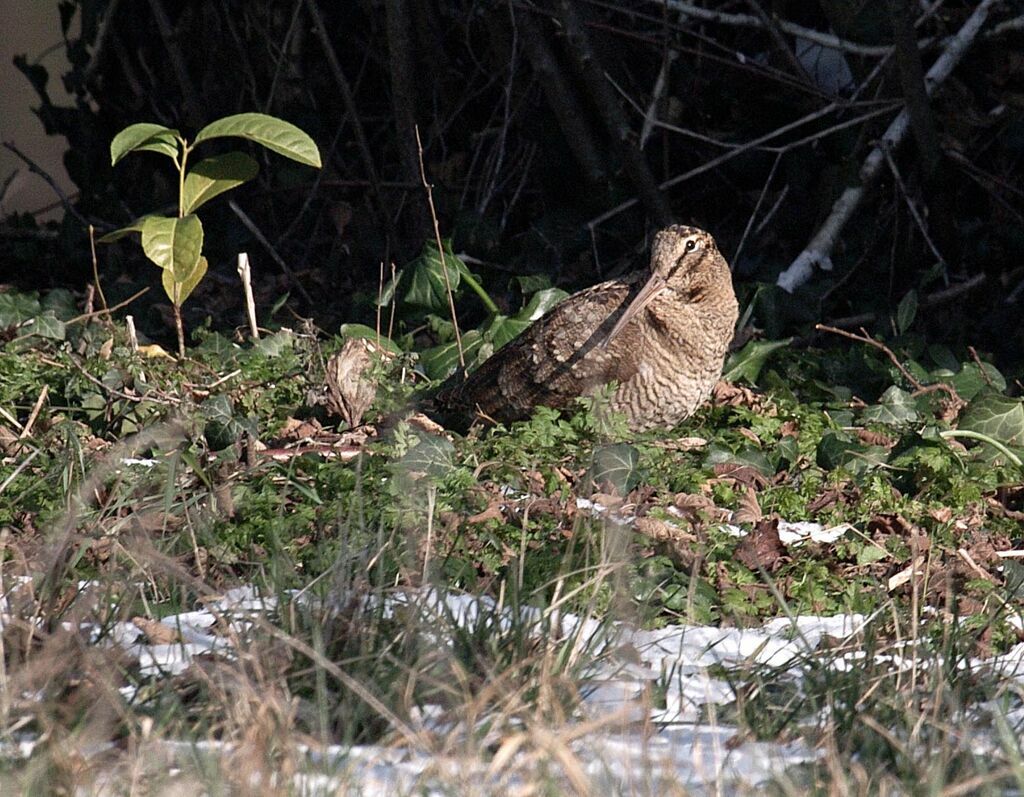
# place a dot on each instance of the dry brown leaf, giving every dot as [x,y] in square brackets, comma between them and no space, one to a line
[789,429]
[156,632]
[492,512]
[349,391]
[680,543]
[871,438]
[749,510]
[762,548]
[694,507]
[743,474]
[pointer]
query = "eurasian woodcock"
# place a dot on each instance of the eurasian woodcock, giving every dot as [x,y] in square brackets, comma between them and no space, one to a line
[660,335]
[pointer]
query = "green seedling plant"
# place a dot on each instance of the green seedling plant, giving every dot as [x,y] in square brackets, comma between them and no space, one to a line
[175,243]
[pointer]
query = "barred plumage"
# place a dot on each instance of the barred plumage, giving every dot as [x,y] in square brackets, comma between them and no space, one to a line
[660,335]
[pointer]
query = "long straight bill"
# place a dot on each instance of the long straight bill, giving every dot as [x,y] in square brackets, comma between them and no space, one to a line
[654,285]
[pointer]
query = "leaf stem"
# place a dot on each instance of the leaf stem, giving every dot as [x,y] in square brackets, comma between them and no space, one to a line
[181,177]
[470,280]
[984,438]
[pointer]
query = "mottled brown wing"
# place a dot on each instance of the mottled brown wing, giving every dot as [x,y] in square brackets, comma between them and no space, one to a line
[555,360]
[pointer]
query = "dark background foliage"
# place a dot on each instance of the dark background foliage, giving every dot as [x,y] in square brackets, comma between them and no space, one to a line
[539,118]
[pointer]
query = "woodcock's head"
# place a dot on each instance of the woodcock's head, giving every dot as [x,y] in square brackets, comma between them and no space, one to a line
[685,260]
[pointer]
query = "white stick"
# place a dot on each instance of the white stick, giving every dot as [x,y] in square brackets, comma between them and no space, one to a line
[250,304]
[133,339]
[819,251]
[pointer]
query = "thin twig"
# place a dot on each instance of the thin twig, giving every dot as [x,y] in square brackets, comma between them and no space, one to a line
[250,225]
[149,396]
[757,207]
[96,270]
[440,250]
[748,21]
[919,388]
[864,337]
[193,111]
[36,409]
[106,311]
[818,251]
[716,162]
[588,67]
[37,169]
[977,361]
[939,297]
[771,24]
[353,114]
[86,316]
[913,210]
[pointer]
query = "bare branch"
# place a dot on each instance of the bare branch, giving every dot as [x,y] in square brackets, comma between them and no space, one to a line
[819,251]
[614,118]
[751,21]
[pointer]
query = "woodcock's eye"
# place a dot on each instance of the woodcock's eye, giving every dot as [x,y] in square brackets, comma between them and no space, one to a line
[691,245]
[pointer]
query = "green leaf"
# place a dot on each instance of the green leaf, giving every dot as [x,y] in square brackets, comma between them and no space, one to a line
[441,361]
[871,553]
[906,312]
[970,380]
[747,362]
[179,290]
[144,136]
[747,455]
[540,304]
[369,333]
[614,468]
[427,287]
[833,451]
[135,226]
[502,329]
[173,244]
[896,406]
[433,456]
[275,134]
[531,283]
[16,308]
[221,428]
[276,344]
[46,325]
[998,417]
[216,175]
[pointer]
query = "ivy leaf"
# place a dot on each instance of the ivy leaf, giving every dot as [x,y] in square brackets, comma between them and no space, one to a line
[895,407]
[997,416]
[46,325]
[613,468]
[502,329]
[432,456]
[275,134]
[540,304]
[441,361]
[970,380]
[214,176]
[753,457]
[17,307]
[427,286]
[747,363]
